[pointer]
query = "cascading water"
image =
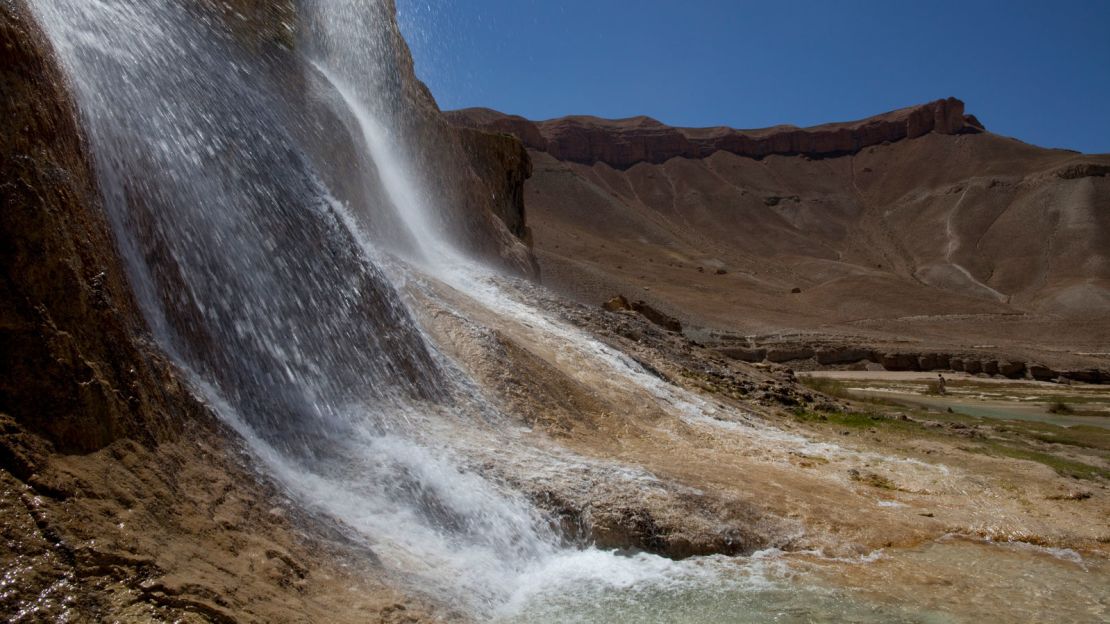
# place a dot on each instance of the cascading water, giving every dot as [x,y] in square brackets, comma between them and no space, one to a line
[255,279]
[268,291]
[359,61]
[242,267]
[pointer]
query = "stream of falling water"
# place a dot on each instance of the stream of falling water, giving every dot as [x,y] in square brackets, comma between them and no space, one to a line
[262,286]
[269,292]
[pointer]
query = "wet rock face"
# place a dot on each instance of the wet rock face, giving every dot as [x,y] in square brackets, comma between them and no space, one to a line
[476,177]
[74,368]
[625,142]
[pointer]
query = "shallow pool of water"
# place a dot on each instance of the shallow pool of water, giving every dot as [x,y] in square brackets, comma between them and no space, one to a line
[950,581]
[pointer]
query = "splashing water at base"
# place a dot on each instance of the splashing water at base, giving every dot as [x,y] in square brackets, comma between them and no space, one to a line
[953,581]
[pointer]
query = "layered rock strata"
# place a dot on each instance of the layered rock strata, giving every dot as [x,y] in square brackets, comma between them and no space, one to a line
[622,143]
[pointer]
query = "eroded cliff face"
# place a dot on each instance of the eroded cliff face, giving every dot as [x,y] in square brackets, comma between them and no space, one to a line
[914,224]
[622,143]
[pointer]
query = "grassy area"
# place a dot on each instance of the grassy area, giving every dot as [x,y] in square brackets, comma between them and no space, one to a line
[1076,452]
[1081,436]
[1059,407]
[855,420]
[1062,465]
[1012,439]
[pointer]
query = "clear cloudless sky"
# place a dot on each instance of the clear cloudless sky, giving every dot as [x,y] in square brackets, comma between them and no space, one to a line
[1038,71]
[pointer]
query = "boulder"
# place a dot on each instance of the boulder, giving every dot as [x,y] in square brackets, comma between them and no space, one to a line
[617,304]
[1041,372]
[1011,369]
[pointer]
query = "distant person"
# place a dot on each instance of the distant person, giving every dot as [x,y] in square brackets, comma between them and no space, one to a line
[942,385]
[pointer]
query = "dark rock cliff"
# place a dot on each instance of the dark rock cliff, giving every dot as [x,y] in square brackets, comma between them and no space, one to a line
[76,368]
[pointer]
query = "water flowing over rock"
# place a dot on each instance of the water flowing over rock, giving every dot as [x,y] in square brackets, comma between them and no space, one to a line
[233,216]
[232,242]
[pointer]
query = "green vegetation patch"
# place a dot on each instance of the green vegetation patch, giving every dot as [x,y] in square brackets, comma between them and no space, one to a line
[831,387]
[1060,407]
[1063,466]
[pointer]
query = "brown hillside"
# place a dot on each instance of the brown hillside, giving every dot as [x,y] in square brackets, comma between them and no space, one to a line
[952,237]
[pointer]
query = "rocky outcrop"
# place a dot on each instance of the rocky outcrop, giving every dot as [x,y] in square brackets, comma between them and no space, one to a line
[625,142]
[666,321]
[97,426]
[79,368]
[819,356]
[1083,170]
[502,165]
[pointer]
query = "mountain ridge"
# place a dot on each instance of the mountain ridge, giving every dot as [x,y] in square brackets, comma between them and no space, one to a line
[928,234]
[622,143]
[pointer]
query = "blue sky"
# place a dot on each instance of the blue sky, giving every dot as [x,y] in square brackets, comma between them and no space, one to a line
[1038,71]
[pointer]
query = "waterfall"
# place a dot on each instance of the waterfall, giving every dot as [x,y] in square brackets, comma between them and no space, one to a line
[256,280]
[351,44]
[274,295]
